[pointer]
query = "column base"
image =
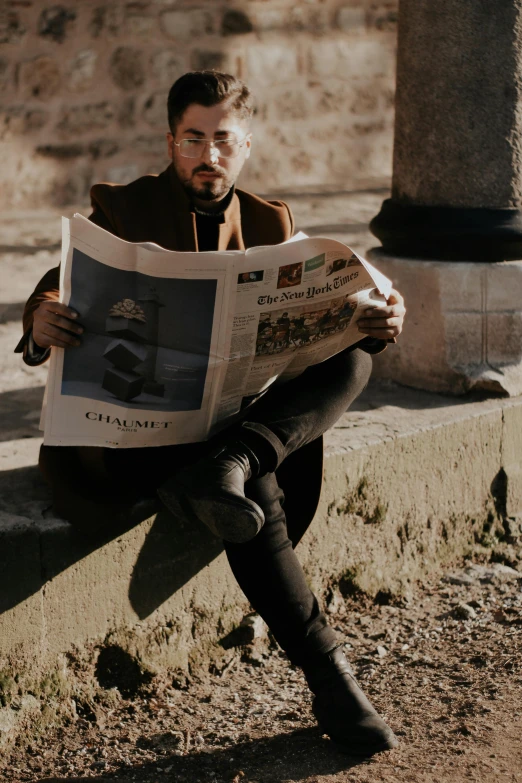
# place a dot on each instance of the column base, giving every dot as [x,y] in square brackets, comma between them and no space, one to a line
[463,327]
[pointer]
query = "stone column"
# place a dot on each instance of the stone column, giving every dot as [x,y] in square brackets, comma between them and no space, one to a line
[451,232]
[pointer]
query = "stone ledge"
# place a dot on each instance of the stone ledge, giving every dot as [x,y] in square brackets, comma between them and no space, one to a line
[412,480]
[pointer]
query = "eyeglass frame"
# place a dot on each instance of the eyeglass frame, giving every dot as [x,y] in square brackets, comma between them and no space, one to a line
[212,143]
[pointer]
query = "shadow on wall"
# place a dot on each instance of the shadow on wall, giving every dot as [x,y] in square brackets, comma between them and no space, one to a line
[33,553]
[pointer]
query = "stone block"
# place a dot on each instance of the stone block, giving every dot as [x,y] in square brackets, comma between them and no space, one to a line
[87,117]
[150,145]
[11,28]
[103,148]
[55,21]
[464,341]
[127,113]
[504,286]
[142,25]
[351,18]
[236,22]
[271,64]
[106,19]
[124,385]
[167,66]
[128,328]
[511,462]
[185,25]
[463,287]
[21,579]
[383,16]
[82,70]
[504,337]
[61,151]
[122,175]
[124,354]
[267,19]
[214,59]
[350,58]
[40,78]
[4,73]
[155,110]
[127,67]
[444,348]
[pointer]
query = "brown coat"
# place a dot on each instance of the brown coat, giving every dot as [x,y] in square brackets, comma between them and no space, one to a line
[156,209]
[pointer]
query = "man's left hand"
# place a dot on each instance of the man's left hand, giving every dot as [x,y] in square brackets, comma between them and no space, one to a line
[384,322]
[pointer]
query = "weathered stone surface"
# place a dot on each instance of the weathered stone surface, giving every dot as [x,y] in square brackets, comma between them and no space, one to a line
[127,113]
[187,23]
[11,28]
[219,60]
[150,145]
[347,58]
[127,68]
[82,70]
[103,148]
[140,24]
[106,19]
[4,73]
[351,19]
[271,64]
[123,174]
[61,151]
[35,119]
[90,116]
[55,21]
[383,16]
[167,66]
[474,160]
[40,78]
[456,335]
[236,22]
[155,110]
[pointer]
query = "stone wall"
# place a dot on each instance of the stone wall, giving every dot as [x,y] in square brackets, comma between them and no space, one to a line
[83,89]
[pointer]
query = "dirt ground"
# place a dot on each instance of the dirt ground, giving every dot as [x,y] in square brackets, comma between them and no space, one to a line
[444,669]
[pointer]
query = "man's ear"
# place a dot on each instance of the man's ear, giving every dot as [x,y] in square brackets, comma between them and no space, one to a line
[170,144]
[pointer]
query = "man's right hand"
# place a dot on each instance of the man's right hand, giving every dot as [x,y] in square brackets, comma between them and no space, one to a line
[54,324]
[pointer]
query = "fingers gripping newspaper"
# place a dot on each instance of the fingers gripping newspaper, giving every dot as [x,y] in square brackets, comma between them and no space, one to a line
[176,345]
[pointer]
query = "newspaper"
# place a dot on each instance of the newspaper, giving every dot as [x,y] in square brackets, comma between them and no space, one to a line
[176,345]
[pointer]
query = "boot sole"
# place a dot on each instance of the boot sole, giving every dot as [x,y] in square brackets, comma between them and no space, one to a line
[227,520]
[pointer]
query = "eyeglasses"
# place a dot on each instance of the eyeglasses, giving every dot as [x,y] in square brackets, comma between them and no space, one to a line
[195,148]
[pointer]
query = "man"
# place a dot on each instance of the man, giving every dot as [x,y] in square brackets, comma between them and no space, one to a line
[236,483]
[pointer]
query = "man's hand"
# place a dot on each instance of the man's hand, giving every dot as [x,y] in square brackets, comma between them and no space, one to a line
[384,322]
[54,324]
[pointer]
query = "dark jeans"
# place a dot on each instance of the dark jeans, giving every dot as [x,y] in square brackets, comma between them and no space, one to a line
[286,418]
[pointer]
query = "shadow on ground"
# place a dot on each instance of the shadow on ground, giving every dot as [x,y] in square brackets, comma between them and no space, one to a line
[292,756]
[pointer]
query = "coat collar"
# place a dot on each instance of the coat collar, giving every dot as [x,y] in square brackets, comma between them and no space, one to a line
[230,237]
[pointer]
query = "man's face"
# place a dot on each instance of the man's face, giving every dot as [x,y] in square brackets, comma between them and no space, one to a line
[209,177]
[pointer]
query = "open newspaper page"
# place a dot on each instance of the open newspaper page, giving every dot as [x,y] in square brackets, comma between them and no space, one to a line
[152,358]
[175,345]
[296,305]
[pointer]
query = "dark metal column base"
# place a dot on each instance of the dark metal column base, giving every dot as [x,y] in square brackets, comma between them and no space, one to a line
[449,233]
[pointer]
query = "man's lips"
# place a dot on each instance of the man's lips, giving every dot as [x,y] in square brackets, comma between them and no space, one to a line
[208,174]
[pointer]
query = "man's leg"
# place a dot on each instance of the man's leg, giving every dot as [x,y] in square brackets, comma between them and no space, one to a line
[270,575]
[286,418]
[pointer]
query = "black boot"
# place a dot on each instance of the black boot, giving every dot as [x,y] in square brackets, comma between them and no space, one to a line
[213,490]
[341,708]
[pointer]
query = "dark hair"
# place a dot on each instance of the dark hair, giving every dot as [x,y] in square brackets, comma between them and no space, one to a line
[208,88]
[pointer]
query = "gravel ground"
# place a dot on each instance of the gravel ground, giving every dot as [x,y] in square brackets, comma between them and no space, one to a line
[444,669]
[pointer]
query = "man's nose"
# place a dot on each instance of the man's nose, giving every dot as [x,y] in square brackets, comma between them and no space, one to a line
[210,154]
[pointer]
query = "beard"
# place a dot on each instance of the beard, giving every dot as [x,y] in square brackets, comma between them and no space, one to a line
[213,190]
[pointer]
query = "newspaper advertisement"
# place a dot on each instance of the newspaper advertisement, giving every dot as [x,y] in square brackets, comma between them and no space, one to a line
[176,344]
